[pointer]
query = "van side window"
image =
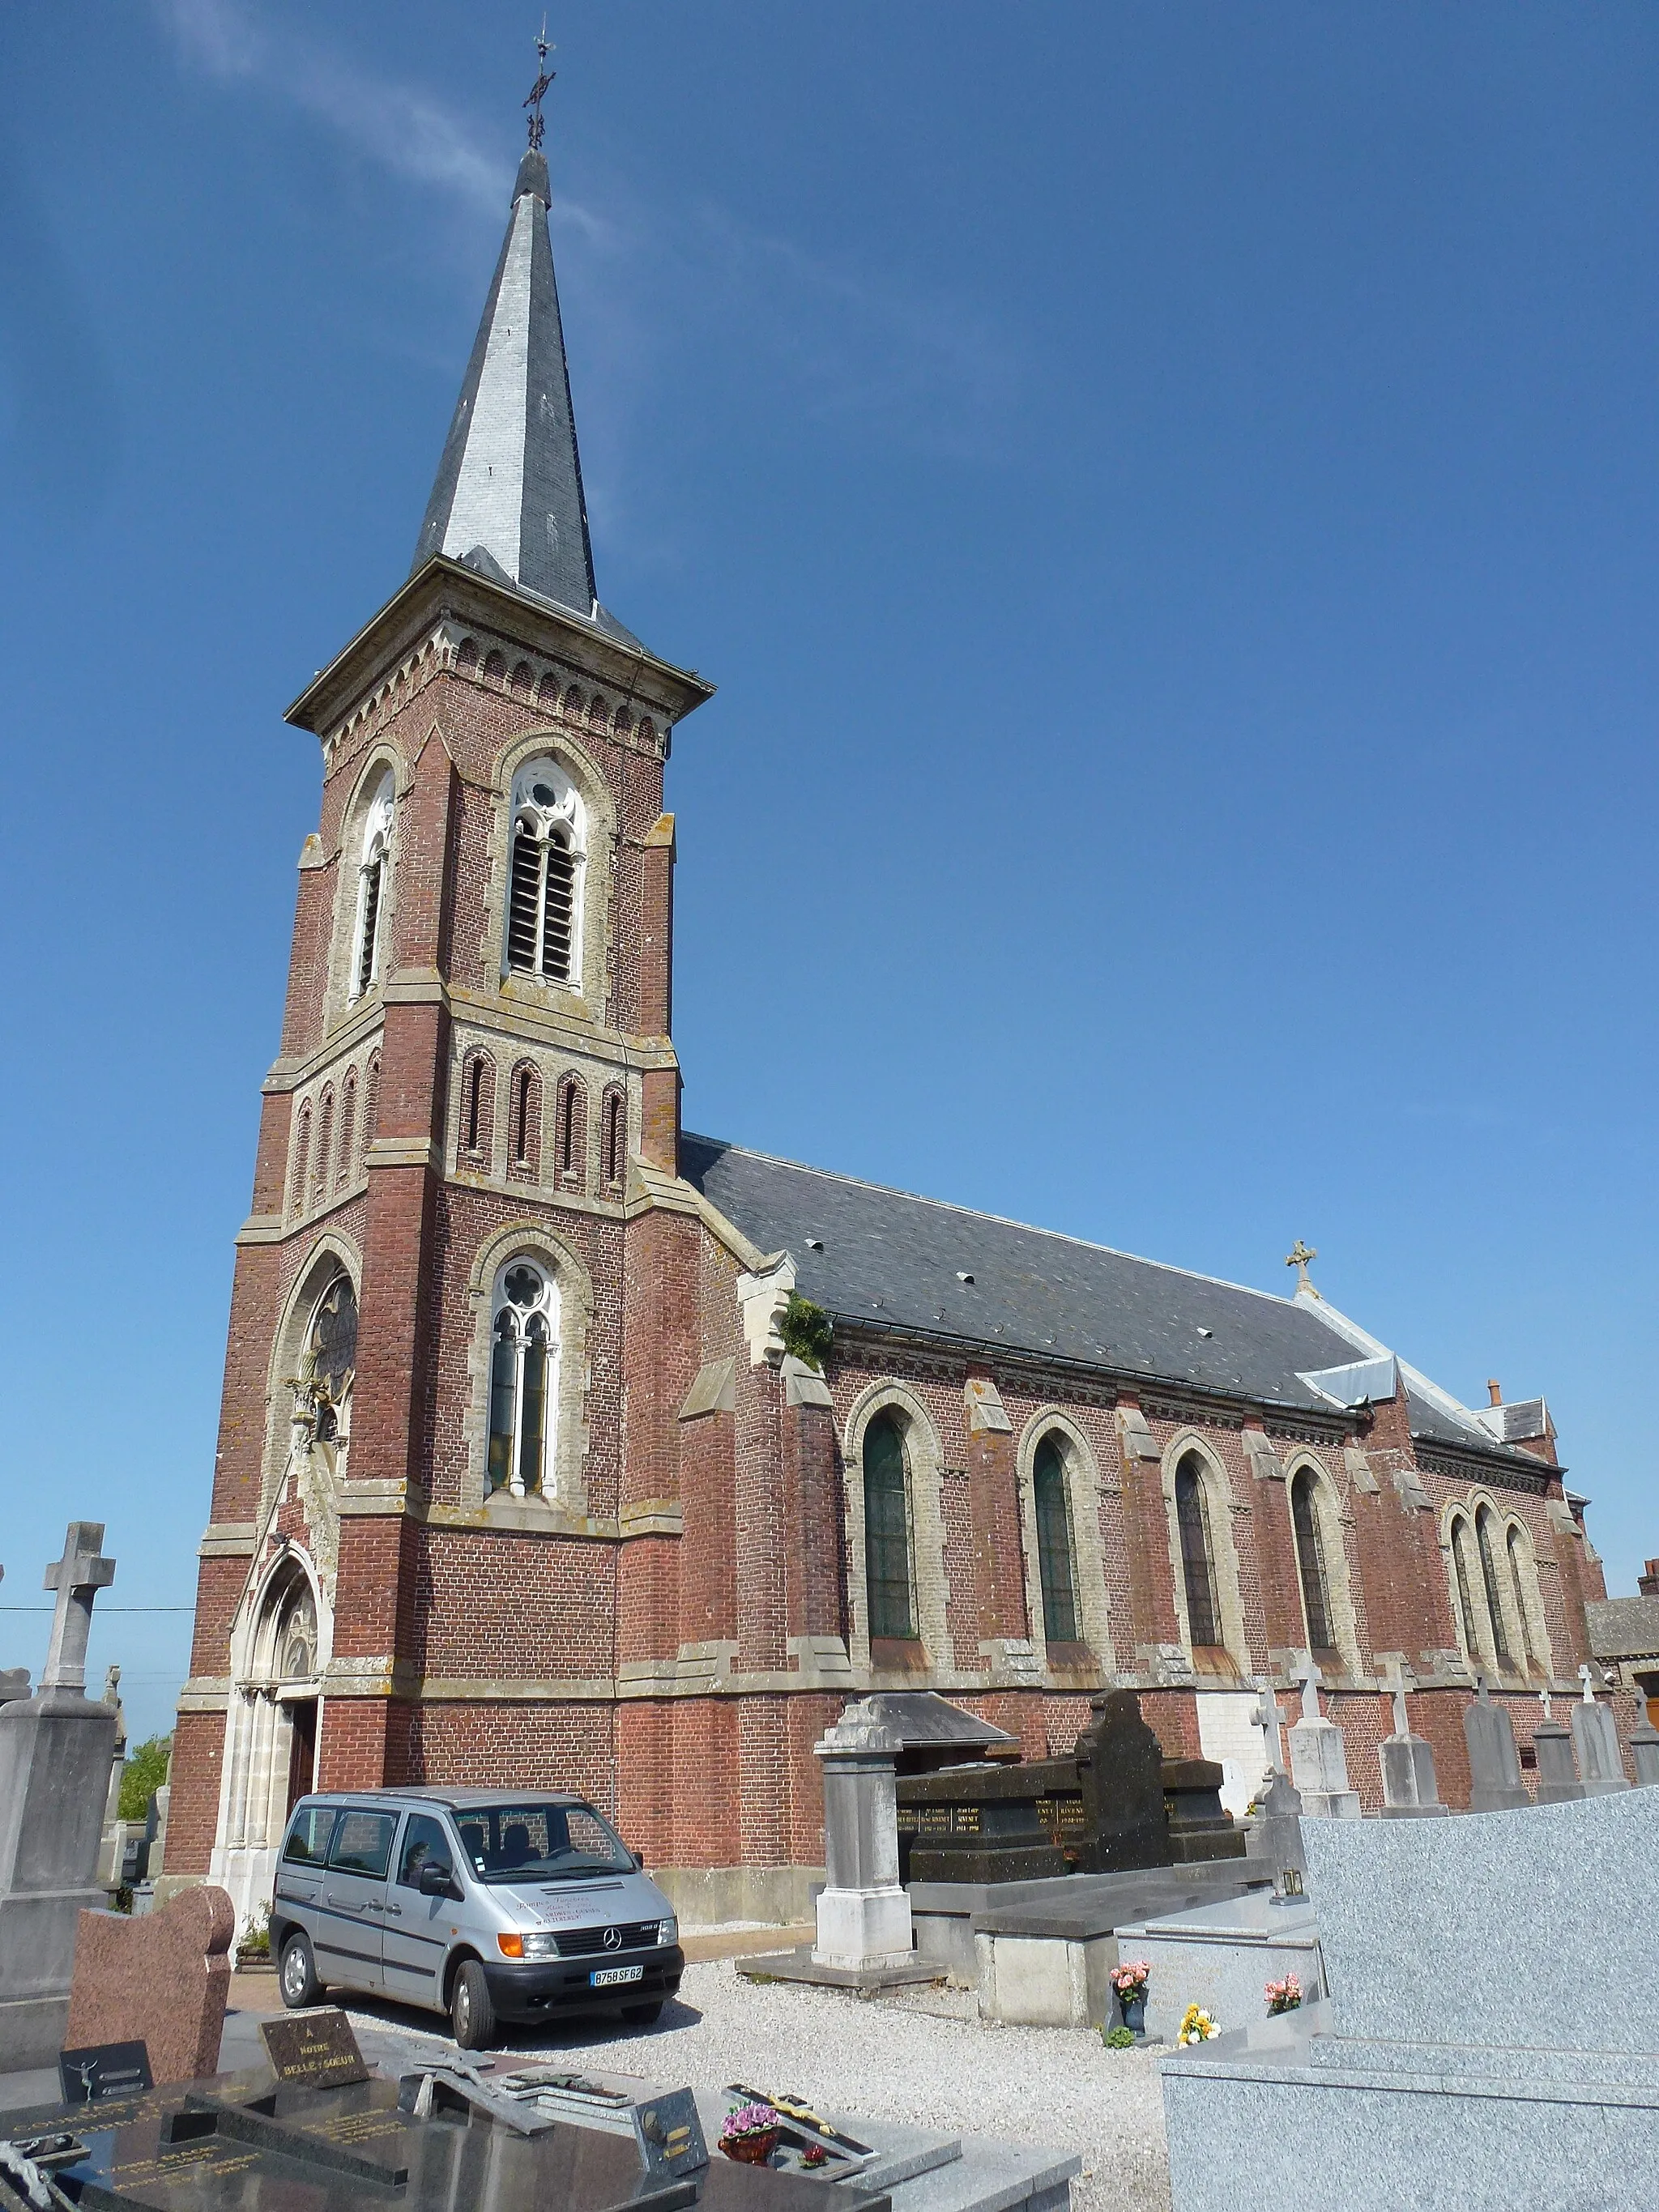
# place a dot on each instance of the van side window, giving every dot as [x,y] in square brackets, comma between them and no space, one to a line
[308,1839]
[424,1842]
[362,1842]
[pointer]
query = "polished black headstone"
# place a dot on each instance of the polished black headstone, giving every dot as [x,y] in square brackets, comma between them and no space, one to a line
[1120,1767]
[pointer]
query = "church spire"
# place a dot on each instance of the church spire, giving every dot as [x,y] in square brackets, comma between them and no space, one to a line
[508,495]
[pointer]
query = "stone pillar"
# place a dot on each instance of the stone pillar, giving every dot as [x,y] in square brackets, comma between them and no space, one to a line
[1495,1783]
[1595,1739]
[1644,1751]
[864,1915]
[1319,1757]
[55,1753]
[1409,1789]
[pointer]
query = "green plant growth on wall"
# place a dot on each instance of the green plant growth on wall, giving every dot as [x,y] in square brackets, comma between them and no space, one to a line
[806,1331]
[145,1772]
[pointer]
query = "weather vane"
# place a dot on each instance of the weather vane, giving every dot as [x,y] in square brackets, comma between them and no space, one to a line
[544,77]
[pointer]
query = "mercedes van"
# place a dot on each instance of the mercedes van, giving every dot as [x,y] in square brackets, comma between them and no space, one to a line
[491,1905]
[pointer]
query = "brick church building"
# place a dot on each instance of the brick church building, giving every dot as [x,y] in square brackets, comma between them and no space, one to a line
[538,1464]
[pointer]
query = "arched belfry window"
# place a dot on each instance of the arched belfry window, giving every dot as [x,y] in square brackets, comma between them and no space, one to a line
[888,1578]
[524,1367]
[1483,1537]
[544,898]
[1310,1558]
[1056,1571]
[1197,1552]
[373,869]
[328,1365]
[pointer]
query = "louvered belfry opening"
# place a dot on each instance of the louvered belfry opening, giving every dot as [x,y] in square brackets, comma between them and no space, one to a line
[541,903]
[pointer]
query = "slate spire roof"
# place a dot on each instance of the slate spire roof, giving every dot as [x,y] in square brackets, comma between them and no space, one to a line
[508,495]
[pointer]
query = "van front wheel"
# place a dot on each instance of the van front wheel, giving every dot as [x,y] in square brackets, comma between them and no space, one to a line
[471,2014]
[299,1973]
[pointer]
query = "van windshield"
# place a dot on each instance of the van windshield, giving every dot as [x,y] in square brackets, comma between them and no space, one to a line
[540,1842]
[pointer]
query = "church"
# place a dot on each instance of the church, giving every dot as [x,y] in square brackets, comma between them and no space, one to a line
[560,1447]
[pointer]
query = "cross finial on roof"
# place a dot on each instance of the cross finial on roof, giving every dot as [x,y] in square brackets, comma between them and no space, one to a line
[544,77]
[77,1577]
[1298,1257]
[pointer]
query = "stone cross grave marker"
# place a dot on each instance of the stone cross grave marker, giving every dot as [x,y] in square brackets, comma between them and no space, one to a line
[1495,1783]
[1558,1769]
[1410,1790]
[77,1578]
[1319,1757]
[1270,1719]
[1595,1739]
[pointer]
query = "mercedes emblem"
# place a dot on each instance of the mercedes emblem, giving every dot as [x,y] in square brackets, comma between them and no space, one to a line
[613,1939]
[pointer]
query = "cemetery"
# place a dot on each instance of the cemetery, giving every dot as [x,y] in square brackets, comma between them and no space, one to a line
[1417,2006]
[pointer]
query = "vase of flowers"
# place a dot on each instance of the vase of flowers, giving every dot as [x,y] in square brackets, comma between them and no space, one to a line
[1197,2026]
[1284,1996]
[1129,1988]
[749,2134]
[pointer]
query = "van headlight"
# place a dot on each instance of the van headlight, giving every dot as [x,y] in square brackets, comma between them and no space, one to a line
[540,1943]
[668,1930]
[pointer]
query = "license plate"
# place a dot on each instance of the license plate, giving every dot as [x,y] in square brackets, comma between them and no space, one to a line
[605,1977]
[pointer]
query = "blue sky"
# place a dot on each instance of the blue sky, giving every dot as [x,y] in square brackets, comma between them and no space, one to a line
[1167,494]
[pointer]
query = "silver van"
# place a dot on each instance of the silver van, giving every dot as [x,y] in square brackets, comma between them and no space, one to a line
[489,1904]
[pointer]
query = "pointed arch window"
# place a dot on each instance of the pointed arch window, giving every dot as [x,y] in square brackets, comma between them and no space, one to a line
[372,871]
[348,1129]
[301,1160]
[523,1378]
[888,1577]
[1460,1552]
[1311,1559]
[1197,1552]
[1515,1546]
[1056,1573]
[544,875]
[1483,1537]
[331,1358]
[614,1133]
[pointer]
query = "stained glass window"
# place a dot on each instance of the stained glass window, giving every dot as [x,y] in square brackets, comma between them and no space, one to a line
[1197,1556]
[1054,1533]
[1310,1560]
[887,1530]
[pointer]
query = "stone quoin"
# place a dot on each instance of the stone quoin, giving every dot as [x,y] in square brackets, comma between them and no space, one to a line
[518,1481]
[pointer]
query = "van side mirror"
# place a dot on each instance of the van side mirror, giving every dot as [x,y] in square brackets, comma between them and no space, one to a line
[638,1858]
[436,1880]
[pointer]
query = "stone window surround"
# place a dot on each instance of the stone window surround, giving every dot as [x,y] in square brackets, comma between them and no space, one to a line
[342,999]
[1333,1524]
[595,872]
[564,1467]
[331,1253]
[570,812]
[1223,1505]
[924,1458]
[1083,1488]
[1530,1650]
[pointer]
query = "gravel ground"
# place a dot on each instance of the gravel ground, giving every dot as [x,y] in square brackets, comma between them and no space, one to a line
[921,2057]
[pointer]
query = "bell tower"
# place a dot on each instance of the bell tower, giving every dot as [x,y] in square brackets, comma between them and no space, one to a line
[469,1251]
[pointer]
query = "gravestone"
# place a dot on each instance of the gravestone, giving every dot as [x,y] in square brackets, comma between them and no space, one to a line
[162,1981]
[1277,1840]
[1319,1756]
[1558,1769]
[985,1823]
[1409,1789]
[112,1844]
[864,1915]
[1200,1826]
[1644,1753]
[1120,1771]
[1595,1739]
[1495,1783]
[54,1774]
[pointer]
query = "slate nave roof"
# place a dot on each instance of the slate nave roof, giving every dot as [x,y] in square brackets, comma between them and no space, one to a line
[890,1259]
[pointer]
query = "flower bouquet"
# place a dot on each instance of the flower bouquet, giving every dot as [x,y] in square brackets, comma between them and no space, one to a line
[1130,1983]
[749,2134]
[1196,2026]
[1284,1996]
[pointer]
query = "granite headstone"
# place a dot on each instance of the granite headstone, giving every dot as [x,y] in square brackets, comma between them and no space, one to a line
[1495,1783]
[162,1980]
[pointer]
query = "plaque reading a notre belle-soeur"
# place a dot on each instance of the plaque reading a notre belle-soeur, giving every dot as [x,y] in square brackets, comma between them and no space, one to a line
[316,2047]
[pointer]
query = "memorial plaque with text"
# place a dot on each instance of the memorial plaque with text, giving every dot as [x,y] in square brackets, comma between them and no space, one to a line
[316,2047]
[104,2069]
